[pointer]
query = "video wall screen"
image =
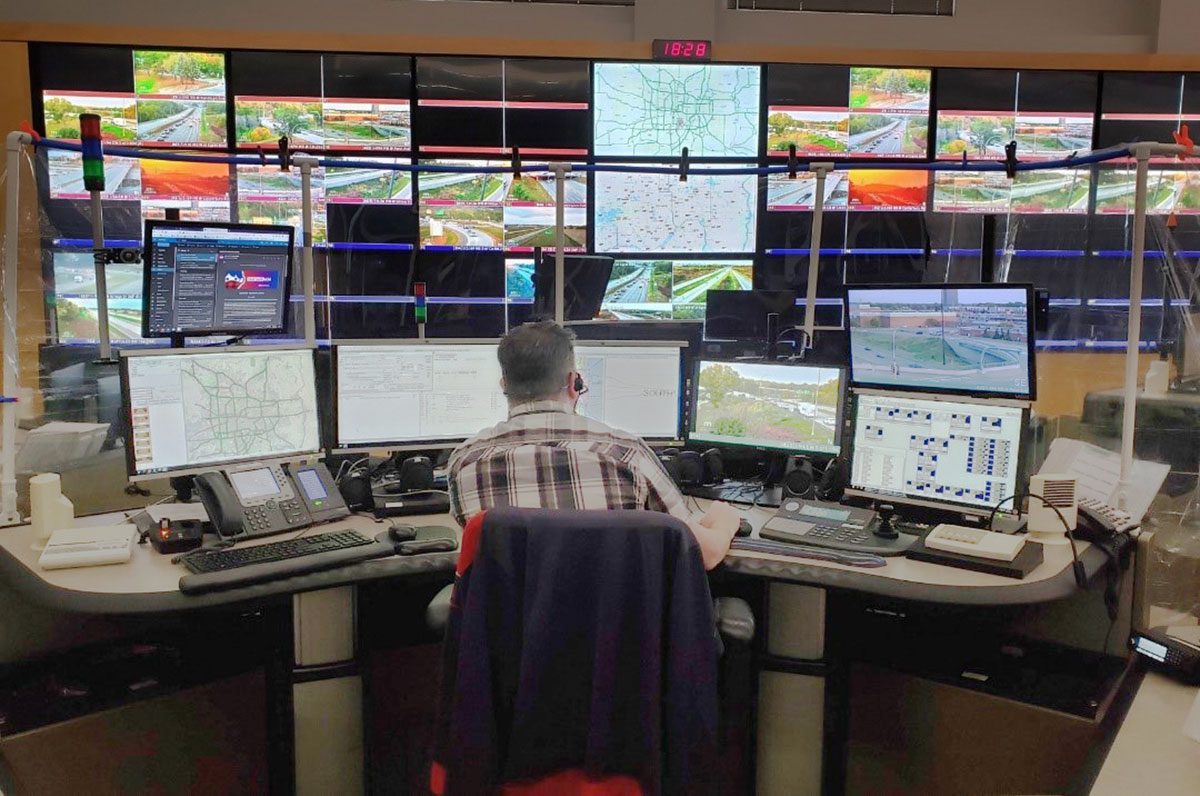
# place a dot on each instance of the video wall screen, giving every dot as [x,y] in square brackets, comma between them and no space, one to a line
[655,110]
[708,214]
[480,210]
[75,298]
[882,112]
[670,289]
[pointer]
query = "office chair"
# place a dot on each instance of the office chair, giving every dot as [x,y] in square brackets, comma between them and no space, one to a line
[580,647]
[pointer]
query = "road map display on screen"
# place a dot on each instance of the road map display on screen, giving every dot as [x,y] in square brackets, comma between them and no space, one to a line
[655,110]
[974,340]
[653,213]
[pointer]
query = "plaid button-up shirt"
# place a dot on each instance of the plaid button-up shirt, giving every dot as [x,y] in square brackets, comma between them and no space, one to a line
[545,456]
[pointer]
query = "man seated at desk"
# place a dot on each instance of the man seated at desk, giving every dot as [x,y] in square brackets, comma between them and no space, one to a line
[547,456]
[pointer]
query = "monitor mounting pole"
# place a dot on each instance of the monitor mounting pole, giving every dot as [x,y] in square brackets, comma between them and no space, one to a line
[1142,152]
[821,170]
[560,192]
[306,163]
[12,374]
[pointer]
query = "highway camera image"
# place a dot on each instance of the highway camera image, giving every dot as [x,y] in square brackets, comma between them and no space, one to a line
[778,406]
[671,289]
[75,305]
[955,339]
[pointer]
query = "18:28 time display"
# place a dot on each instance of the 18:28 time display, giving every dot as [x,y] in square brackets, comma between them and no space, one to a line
[682,50]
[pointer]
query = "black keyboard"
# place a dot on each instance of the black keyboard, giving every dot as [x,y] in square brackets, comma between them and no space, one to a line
[223,560]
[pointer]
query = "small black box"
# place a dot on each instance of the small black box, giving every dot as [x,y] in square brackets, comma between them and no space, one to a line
[179,537]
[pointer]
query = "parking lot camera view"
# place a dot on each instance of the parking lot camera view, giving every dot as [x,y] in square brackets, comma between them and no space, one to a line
[769,406]
[952,339]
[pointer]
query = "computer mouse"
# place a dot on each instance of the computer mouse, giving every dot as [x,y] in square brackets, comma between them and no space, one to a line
[744,527]
[402,532]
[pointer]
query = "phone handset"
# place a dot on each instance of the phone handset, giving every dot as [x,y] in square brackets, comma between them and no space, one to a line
[224,510]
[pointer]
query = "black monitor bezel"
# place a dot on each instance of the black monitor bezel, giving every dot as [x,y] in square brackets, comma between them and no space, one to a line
[153,224]
[839,431]
[192,469]
[968,509]
[1031,334]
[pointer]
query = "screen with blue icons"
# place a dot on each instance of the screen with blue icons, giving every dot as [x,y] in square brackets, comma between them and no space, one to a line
[923,449]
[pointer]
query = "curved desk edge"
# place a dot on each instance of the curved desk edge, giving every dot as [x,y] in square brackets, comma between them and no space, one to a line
[1057,587]
[30,585]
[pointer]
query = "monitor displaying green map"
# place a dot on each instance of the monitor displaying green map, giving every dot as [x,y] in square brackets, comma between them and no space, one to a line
[655,110]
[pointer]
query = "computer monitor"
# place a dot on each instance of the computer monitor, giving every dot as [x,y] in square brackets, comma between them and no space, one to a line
[743,314]
[967,339]
[204,278]
[633,387]
[936,451]
[776,407]
[197,410]
[415,394]
[584,282]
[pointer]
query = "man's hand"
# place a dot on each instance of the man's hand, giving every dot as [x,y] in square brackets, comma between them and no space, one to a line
[714,531]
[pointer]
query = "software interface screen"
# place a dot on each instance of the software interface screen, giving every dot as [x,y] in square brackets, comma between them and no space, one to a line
[953,339]
[958,452]
[217,279]
[631,388]
[782,407]
[189,410]
[412,393]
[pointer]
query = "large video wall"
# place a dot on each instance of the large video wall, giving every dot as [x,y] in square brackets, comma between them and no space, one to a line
[1066,230]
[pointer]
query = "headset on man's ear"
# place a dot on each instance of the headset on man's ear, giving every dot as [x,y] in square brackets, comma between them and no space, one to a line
[580,387]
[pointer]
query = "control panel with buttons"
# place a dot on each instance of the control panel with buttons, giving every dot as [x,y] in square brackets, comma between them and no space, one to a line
[832,525]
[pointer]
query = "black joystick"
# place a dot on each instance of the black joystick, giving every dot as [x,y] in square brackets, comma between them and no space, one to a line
[884,529]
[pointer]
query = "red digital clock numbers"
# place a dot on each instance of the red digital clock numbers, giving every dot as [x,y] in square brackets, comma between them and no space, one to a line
[682,50]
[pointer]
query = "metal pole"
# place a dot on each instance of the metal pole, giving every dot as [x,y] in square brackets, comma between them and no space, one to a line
[101,276]
[560,238]
[12,375]
[814,252]
[1133,343]
[305,162]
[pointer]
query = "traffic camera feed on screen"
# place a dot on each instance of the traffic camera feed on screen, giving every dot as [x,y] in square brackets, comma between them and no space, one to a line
[952,339]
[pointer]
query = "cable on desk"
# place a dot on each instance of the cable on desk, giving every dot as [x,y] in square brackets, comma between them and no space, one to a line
[1076,566]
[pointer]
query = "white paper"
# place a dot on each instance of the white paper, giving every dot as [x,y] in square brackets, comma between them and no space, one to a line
[1098,474]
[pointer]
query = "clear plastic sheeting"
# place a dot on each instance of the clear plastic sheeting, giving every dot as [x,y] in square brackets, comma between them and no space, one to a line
[470,231]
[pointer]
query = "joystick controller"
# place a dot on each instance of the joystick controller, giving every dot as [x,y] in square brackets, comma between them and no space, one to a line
[884,529]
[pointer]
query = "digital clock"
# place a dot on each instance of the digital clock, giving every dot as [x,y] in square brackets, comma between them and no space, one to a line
[682,50]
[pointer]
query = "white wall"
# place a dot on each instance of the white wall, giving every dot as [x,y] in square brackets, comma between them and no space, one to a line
[1017,26]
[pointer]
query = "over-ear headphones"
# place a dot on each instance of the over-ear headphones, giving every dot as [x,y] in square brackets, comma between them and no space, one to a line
[834,480]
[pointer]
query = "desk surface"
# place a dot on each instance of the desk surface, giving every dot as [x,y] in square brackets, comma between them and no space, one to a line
[907,579]
[149,582]
[1151,754]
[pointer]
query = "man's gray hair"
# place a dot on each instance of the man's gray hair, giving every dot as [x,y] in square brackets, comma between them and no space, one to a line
[535,359]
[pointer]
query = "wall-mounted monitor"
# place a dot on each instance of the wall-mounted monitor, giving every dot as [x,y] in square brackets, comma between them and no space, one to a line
[973,339]
[202,278]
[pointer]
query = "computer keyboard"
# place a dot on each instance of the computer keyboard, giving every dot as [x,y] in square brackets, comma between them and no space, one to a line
[231,569]
[221,560]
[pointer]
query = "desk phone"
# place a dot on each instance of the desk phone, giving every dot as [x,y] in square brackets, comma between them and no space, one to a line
[832,525]
[264,499]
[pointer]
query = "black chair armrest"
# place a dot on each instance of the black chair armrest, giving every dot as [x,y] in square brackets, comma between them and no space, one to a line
[734,619]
